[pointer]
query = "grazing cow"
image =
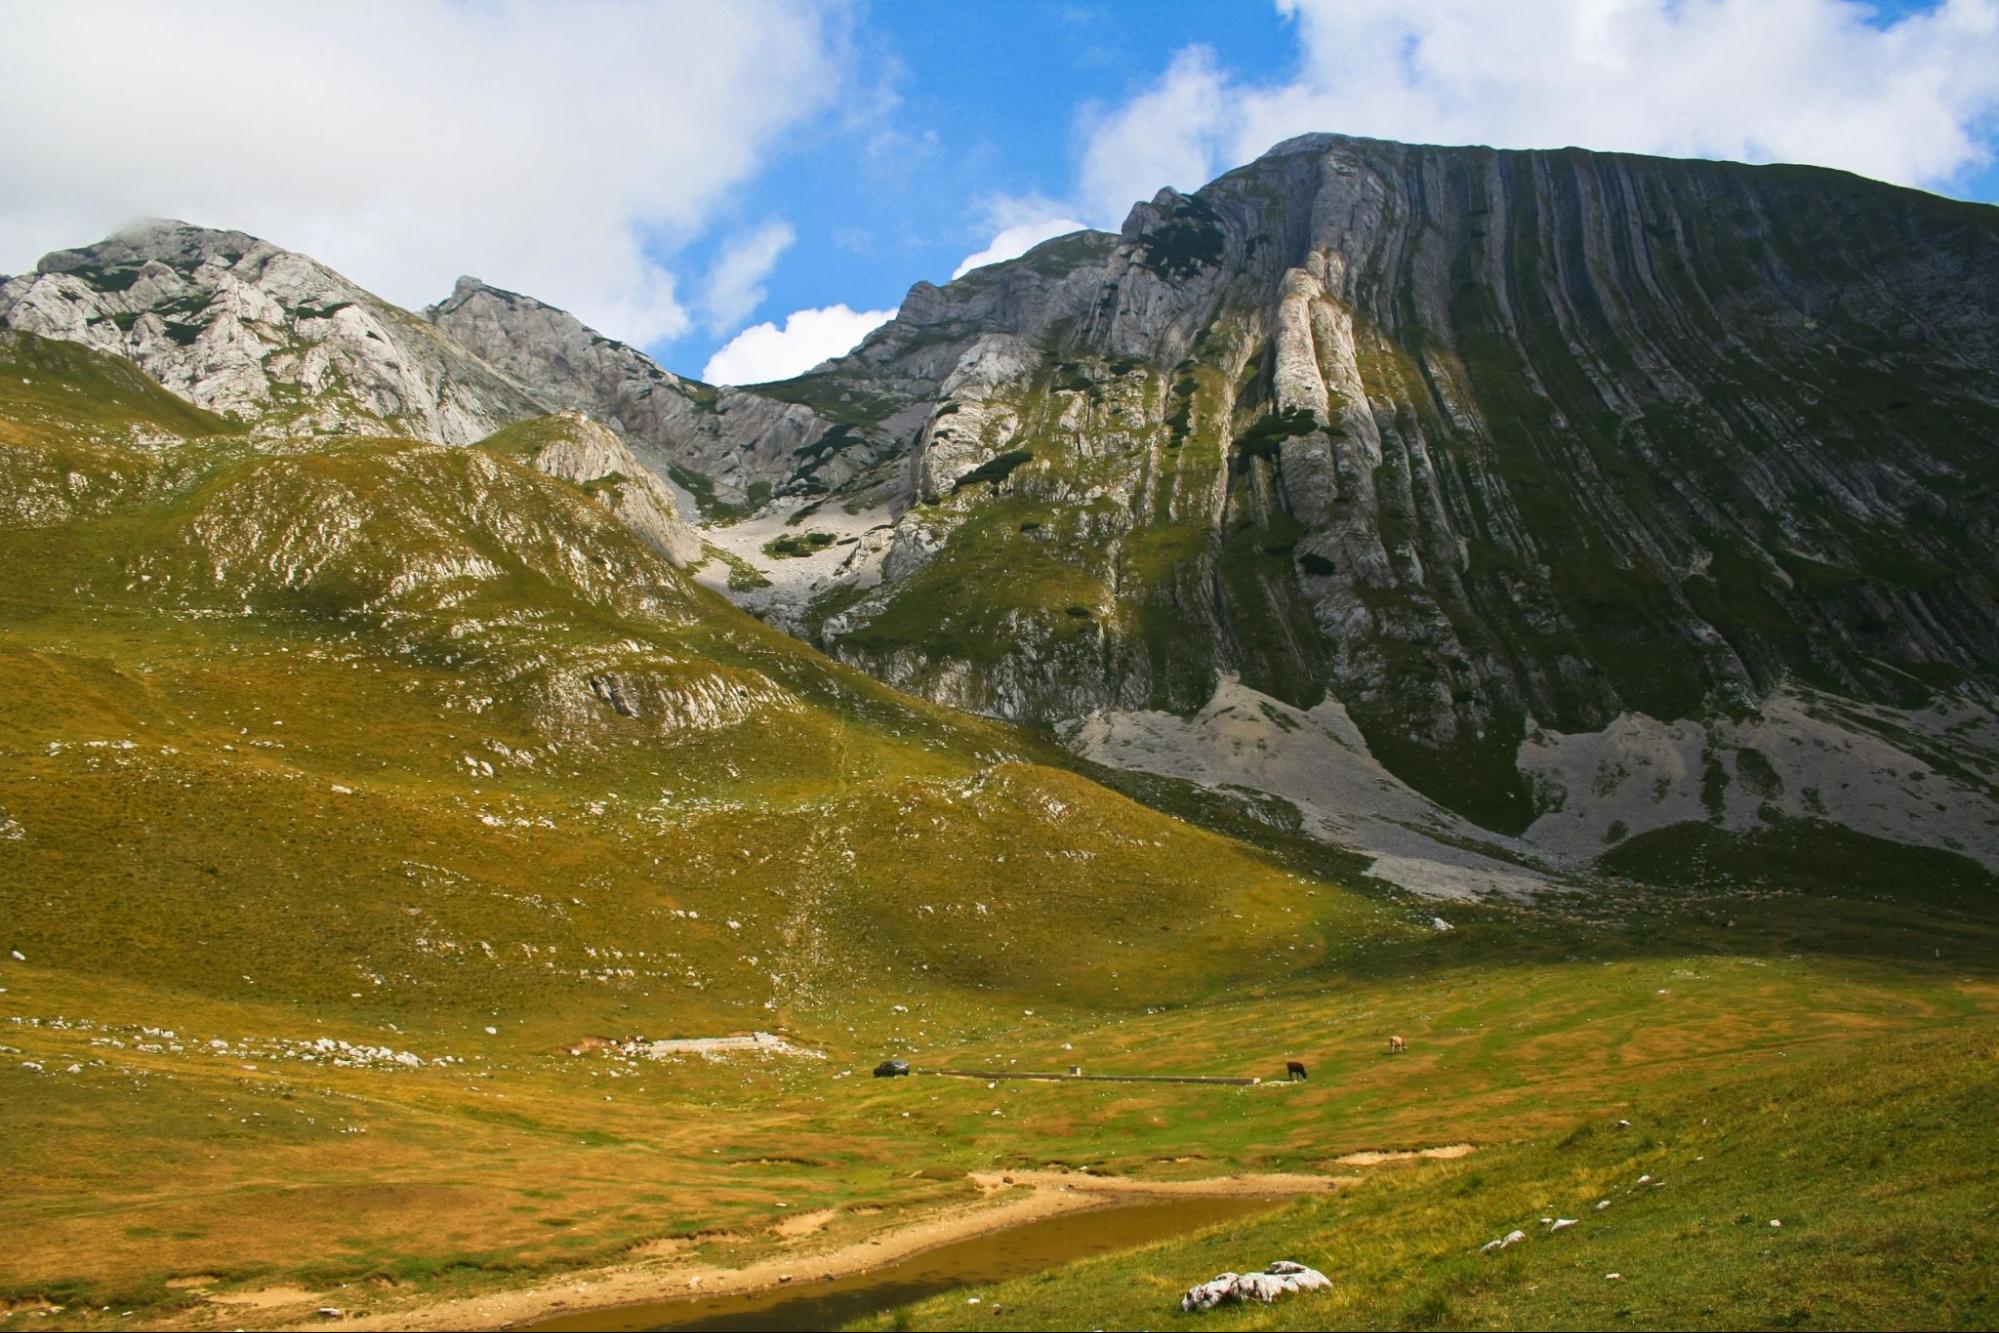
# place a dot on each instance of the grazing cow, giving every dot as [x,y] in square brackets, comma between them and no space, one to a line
[1293,1070]
[1396,1045]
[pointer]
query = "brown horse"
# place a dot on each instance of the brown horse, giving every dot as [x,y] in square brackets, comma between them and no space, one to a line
[1396,1045]
[1293,1070]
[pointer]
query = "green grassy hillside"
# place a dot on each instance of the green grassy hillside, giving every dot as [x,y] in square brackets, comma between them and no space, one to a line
[344,786]
[1834,1189]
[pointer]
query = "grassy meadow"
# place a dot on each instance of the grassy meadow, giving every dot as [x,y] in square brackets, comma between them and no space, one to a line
[346,784]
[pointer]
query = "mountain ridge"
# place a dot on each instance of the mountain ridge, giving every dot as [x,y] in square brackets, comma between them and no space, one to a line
[239,325]
[1483,445]
[1427,477]
[397,825]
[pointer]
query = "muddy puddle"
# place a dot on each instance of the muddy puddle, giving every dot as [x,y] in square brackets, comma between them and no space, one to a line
[1016,1251]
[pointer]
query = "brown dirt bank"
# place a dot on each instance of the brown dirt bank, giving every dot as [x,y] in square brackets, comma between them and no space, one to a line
[1008,1198]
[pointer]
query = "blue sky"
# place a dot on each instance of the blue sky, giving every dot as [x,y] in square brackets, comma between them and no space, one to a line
[743,187]
[988,98]
[993,104]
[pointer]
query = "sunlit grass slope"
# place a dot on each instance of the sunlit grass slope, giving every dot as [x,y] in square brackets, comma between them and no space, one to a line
[414,723]
[344,784]
[1834,1188]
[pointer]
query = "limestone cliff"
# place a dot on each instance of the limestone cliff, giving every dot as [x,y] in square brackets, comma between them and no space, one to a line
[241,327]
[1475,442]
[726,446]
[281,344]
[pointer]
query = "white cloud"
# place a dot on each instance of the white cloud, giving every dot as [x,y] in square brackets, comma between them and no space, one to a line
[1017,240]
[561,150]
[1911,100]
[764,352]
[735,284]
[1170,134]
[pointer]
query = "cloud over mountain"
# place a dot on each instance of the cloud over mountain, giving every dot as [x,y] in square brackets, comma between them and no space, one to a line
[1908,99]
[765,352]
[564,150]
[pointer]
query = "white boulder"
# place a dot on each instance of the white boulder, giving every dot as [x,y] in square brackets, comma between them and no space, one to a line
[1279,1279]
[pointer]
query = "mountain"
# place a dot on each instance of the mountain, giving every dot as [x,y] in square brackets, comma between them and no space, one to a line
[1499,453]
[432,898]
[1468,440]
[282,345]
[323,667]
[1490,510]
[239,326]
[730,449]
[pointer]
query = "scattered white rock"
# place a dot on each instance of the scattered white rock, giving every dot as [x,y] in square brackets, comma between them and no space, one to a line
[492,1032]
[1510,1238]
[758,1043]
[1279,1279]
[1775,1223]
[1319,761]
[1561,1223]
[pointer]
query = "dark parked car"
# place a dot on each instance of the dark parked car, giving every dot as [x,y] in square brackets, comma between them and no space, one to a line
[892,1069]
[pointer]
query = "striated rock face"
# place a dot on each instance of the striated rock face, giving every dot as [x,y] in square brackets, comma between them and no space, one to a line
[240,327]
[1476,443]
[1529,469]
[726,446]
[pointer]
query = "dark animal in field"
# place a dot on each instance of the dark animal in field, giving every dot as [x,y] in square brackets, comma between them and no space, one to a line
[1293,1071]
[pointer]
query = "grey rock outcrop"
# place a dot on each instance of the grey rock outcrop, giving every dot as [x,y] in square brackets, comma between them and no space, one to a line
[725,445]
[1470,441]
[572,446]
[242,327]
[1283,1278]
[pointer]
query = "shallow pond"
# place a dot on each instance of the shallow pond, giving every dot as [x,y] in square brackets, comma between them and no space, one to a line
[1012,1252]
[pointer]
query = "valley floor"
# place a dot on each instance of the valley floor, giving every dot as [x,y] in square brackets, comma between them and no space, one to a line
[391,839]
[1770,1066]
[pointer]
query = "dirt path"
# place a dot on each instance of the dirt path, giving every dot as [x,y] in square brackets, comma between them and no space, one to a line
[1007,1199]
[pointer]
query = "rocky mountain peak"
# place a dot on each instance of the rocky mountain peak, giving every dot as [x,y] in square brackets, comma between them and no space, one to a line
[240,326]
[1507,461]
[180,245]
[1474,442]
[725,447]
